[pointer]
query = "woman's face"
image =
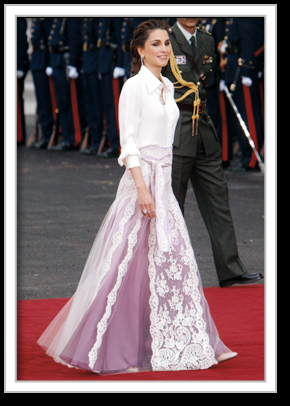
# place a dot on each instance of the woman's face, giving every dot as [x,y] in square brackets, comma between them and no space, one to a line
[156,50]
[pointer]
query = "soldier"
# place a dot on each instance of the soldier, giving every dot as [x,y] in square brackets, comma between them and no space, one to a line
[38,63]
[22,69]
[244,44]
[196,148]
[119,71]
[217,103]
[97,70]
[75,79]
[58,62]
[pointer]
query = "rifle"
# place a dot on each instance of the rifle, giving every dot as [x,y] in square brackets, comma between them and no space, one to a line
[244,127]
[55,129]
[85,141]
[34,136]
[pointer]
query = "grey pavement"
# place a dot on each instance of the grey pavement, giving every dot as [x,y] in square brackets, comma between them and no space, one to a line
[62,198]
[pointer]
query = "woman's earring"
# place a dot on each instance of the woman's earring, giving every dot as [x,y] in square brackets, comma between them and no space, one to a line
[142,58]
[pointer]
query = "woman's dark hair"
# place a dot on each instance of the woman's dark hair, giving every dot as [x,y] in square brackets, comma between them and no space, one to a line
[141,34]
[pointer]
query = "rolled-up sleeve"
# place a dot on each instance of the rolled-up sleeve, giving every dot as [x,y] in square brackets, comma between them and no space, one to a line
[129,113]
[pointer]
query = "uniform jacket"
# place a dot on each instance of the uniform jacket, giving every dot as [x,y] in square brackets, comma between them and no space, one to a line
[97,56]
[245,37]
[58,42]
[183,140]
[22,45]
[39,33]
[75,42]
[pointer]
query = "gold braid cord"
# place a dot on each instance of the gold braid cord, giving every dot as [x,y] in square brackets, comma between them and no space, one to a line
[193,88]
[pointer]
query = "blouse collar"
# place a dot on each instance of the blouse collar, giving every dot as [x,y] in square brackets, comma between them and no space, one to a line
[151,81]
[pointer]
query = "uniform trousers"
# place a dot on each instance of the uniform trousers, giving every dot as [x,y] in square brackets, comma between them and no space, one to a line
[248,102]
[211,191]
[63,98]
[44,106]
[21,125]
[99,101]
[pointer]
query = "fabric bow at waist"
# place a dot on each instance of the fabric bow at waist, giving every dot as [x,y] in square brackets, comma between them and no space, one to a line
[158,158]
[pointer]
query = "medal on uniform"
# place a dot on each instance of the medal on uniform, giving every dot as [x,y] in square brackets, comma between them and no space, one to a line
[180,59]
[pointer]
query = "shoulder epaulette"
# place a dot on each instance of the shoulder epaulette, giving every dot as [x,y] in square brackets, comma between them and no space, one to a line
[203,31]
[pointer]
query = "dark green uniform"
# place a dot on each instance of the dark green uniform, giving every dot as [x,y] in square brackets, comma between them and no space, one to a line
[198,157]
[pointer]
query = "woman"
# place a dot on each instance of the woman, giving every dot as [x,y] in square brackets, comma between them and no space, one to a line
[139,304]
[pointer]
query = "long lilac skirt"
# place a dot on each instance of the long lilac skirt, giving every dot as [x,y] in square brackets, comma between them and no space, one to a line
[139,302]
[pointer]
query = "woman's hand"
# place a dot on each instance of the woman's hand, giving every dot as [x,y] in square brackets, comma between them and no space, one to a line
[145,200]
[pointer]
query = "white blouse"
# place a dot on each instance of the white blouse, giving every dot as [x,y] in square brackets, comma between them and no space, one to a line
[144,119]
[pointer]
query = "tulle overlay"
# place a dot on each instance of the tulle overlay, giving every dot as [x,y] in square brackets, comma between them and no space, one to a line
[139,302]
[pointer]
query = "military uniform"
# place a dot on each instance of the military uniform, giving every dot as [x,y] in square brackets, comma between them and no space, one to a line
[198,156]
[22,69]
[97,68]
[74,65]
[245,50]
[217,104]
[58,61]
[38,62]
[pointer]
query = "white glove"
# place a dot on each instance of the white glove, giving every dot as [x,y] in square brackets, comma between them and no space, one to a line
[118,72]
[247,81]
[49,71]
[73,72]
[223,47]
[100,76]
[20,74]
[260,74]
[222,85]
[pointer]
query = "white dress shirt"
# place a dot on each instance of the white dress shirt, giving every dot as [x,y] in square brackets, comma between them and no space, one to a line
[144,120]
[187,34]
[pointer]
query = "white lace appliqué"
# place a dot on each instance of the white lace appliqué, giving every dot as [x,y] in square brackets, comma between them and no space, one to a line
[178,330]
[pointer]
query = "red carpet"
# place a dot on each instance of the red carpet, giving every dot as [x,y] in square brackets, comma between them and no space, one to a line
[237,311]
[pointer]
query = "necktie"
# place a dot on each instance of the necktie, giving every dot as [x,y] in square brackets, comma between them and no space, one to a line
[192,39]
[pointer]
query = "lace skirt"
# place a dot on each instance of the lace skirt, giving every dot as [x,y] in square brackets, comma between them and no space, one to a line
[139,302]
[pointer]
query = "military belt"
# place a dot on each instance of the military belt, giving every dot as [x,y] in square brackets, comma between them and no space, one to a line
[90,47]
[232,49]
[39,47]
[189,107]
[61,50]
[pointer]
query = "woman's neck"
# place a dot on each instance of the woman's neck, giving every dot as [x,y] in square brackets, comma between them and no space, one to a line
[156,70]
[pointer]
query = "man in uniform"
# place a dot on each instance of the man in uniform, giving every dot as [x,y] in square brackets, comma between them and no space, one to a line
[22,69]
[39,59]
[197,151]
[59,52]
[97,67]
[244,40]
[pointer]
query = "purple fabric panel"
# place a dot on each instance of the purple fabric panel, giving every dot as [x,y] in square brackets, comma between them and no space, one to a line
[123,343]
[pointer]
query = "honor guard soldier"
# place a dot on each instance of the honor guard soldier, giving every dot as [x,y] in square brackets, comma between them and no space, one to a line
[22,69]
[217,103]
[58,68]
[97,68]
[196,148]
[75,42]
[244,43]
[119,71]
[39,56]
